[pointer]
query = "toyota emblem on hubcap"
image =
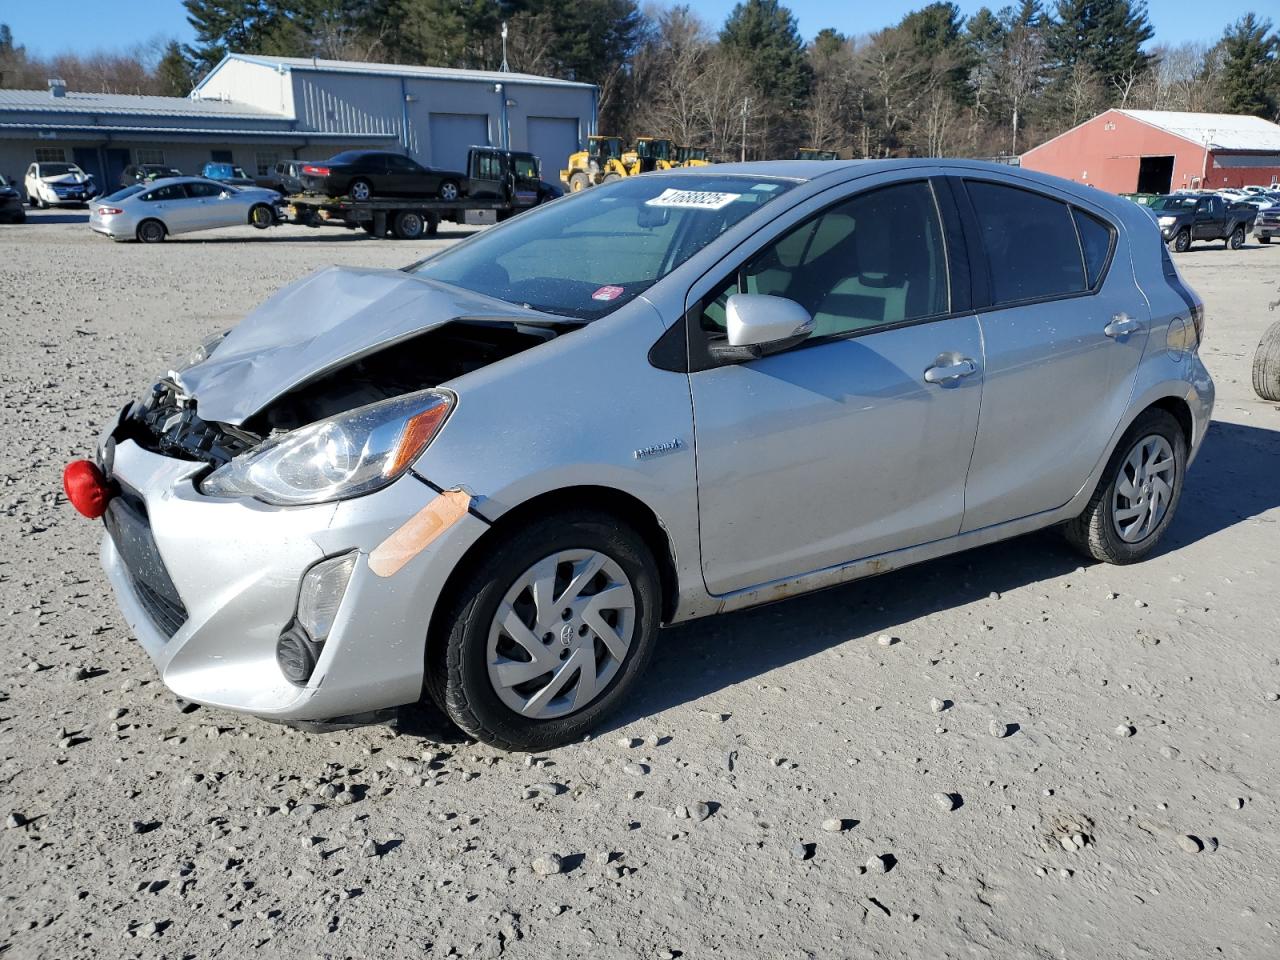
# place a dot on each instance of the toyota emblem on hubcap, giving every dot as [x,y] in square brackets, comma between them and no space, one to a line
[566,634]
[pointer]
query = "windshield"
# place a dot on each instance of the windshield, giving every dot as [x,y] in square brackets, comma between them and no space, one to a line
[586,257]
[57,169]
[1173,203]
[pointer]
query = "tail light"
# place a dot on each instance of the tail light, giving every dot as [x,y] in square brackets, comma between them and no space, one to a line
[109,211]
[315,171]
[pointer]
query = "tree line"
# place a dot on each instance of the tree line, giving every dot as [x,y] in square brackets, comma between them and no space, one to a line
[936,82]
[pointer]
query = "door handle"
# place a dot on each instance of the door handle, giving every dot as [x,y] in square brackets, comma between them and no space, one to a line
[946,372]
[1121,325]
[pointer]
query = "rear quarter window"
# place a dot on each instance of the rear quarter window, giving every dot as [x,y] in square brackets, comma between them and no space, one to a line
[1096,238]
[1031,244]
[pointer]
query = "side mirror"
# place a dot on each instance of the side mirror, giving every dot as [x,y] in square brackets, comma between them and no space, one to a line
[224,195]
[758,320]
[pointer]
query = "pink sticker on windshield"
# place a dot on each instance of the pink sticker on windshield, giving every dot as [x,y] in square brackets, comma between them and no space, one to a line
[608,292]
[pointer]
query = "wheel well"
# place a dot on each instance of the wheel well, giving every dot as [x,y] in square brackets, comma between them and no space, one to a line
[1178,408]
[624,506]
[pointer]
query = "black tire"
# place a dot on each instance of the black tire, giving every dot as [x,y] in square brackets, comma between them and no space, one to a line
[578,182]
[1266,364]
[457,672]
[1094,532]
[151,231]
[433,224]
[1236,240]
[367,227]
[261,216]
[33,202]
[610,177]
[1264,239]
[409,225]
[449,191]
[1182,242]
[360,190]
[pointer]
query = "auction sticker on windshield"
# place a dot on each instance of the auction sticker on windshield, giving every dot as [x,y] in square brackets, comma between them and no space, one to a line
[693,199]
[608,292]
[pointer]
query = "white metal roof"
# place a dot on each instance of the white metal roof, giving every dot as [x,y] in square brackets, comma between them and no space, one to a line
[1224,131]
[126,104]
[398,70]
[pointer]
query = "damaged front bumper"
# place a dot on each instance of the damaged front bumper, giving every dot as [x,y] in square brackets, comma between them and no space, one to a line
[234,568]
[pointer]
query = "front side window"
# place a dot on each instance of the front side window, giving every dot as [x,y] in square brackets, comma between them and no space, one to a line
[599,249]
[875,260]
[526,168]
[1030,241]
[170,191]
[203,189]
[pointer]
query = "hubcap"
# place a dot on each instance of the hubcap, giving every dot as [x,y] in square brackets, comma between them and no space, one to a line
[449,192]
[1144,489]
[360,191]
[561,634]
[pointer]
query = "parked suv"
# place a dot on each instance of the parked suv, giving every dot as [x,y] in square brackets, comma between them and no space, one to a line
[475,479]
[227,173]
[285,177]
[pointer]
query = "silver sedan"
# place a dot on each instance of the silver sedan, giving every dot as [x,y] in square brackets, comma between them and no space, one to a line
[491,477]
[149,212]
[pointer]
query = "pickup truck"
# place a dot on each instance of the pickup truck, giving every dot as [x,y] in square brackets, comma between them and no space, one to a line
[1187,217]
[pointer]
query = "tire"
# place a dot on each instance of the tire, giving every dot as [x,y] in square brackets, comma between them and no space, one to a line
[33,201]
[1182,242]
[449,191]
[1096,533]
[1266,364]
[360,190]
[1264,239]
[261,216]
[610,177]
[578,182]
[151,231]
[433,225]
[409,225]
[459,671]
[367,227]
[1236,240]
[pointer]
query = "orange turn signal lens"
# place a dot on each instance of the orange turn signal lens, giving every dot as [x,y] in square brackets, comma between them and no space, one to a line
[419,430]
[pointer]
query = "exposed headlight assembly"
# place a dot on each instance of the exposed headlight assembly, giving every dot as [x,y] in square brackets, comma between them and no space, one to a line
[1167,221]
[345,456]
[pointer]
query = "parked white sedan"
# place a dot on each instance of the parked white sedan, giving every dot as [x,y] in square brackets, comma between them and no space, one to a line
[58,184]
[149,212]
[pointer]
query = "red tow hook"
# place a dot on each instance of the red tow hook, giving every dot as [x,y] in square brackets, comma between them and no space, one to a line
[87,488]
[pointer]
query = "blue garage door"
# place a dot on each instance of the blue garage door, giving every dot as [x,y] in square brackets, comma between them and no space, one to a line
[451,136]
[553,139]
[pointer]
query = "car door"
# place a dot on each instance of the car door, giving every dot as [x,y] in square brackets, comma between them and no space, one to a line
[214,205]
[170,205]
[1063,331]
[406,178]
[485,180]
[1208,219]
[856,442]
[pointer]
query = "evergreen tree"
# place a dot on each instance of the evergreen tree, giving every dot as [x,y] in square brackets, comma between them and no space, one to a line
[1103,36]
[762,34]
[1250,72]
[173,74]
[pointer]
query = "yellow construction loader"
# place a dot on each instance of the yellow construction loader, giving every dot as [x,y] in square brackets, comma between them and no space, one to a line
[649,154]
[691,157]
[813,153]
[601,161]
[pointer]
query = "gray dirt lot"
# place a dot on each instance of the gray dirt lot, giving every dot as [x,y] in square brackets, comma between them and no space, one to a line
[153,833]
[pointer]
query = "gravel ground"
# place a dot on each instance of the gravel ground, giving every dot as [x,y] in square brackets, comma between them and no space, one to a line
[1001,754]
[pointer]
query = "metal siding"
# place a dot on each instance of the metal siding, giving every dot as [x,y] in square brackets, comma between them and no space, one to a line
[552,139]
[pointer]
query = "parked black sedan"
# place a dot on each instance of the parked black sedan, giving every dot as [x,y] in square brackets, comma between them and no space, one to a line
[11,203]
[362,174]
[146,172]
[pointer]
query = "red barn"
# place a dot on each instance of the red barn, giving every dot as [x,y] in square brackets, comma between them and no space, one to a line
[1157,151]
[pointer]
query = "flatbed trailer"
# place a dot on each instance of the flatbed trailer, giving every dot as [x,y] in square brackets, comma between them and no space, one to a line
[405,219]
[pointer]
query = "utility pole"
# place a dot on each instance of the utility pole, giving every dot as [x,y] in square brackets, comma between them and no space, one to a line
[505,68]
[746,106]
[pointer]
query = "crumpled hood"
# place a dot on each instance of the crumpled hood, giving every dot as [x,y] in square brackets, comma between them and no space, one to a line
[67,178]
[326,320]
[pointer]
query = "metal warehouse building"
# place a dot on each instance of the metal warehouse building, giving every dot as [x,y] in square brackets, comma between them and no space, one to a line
[253,111]
[1156,151]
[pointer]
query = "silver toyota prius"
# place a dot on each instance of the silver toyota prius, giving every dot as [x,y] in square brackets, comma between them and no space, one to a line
[490,477]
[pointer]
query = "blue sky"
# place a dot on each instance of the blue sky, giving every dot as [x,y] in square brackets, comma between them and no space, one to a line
[85,25]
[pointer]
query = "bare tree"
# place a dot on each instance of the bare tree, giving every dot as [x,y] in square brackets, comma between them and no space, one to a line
[1021,72]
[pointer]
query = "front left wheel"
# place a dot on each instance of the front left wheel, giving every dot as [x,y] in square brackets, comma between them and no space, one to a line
[1138,494]
[261,216]
[549,634]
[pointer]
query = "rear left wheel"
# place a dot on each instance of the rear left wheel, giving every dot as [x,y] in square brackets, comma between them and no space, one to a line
[550,633]
[1138,494]
[1236,240]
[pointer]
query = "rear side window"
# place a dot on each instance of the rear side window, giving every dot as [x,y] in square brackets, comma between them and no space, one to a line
[1095,243]
[1030,242]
